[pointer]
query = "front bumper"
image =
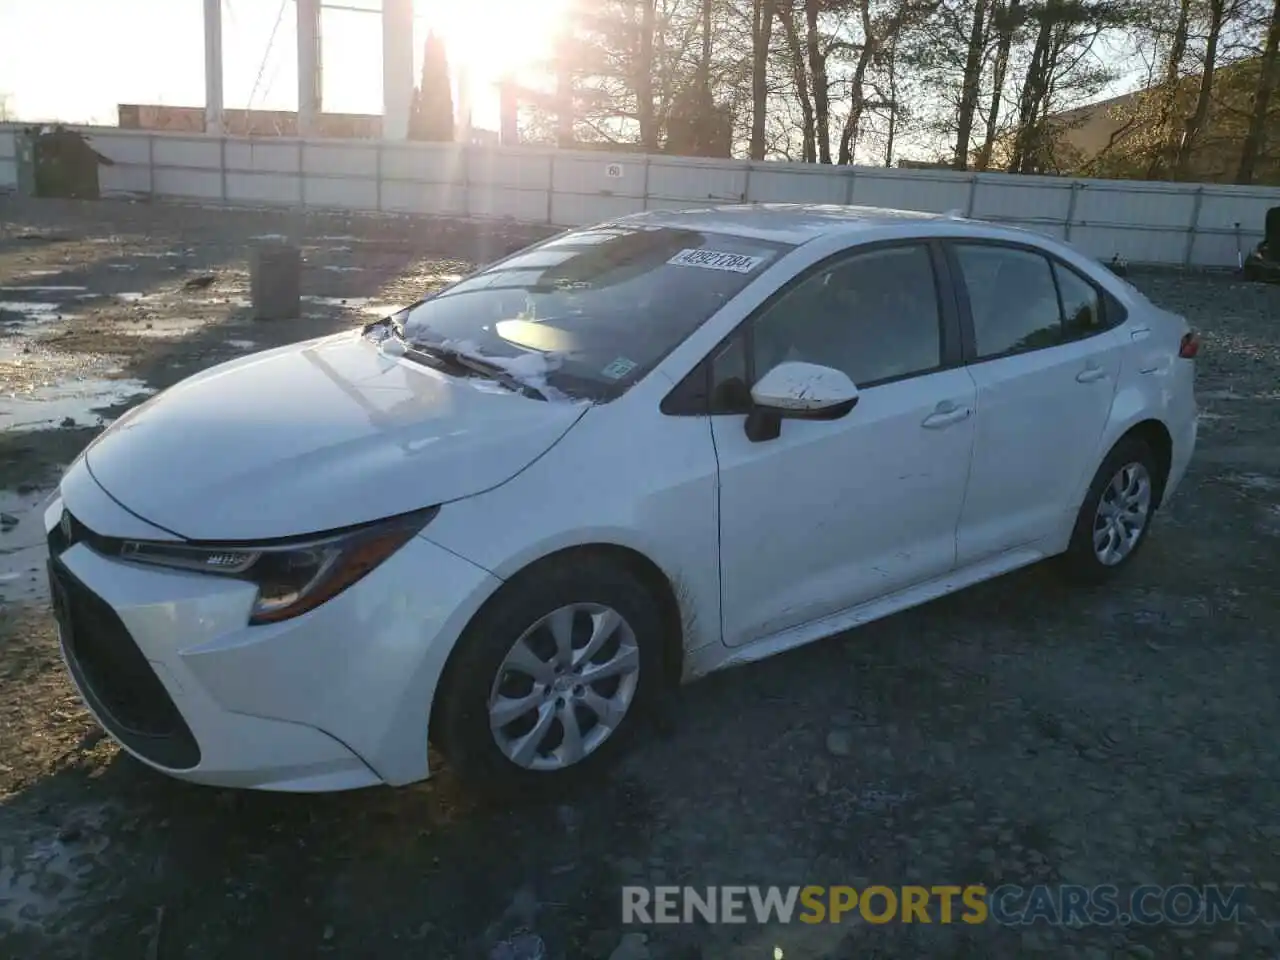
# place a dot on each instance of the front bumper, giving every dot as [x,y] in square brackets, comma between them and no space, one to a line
[336,699]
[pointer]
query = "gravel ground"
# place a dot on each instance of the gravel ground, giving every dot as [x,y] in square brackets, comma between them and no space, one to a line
[1022,732]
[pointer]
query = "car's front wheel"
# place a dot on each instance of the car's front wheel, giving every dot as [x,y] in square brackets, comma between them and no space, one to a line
[1116,514]
[552,675]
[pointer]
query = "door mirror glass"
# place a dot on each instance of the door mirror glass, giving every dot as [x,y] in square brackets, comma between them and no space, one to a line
[806,391]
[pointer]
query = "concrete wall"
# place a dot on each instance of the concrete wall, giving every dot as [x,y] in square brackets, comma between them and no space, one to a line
[1188,224]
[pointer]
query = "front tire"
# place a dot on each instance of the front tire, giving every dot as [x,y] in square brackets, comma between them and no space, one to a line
[1115,518]
[550,679]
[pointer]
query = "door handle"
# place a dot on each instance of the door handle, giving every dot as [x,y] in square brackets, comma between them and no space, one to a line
[1140,334]
[946,417]
[1091,374]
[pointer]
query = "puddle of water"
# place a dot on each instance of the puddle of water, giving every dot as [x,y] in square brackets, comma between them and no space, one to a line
[29,308]
[163,333]
[71,403]
[122,266]
[340,269]
[43,876]
[1256,481]
[133,296]
[242,344]
[223,301]
[1229,395]
[35,288]
[269,237]
[22,552]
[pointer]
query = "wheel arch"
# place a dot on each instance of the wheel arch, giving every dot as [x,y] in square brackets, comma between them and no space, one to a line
[665,591]
[1155,434]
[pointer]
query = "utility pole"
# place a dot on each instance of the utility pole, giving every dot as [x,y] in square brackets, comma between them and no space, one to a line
[213,112]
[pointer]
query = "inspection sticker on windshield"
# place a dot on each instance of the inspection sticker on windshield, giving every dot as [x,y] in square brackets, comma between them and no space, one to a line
[618,369]
[715,260]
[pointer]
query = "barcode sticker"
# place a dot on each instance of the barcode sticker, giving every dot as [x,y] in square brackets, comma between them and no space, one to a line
[716,260]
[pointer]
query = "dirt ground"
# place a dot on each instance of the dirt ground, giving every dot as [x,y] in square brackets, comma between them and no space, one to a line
[1022,732]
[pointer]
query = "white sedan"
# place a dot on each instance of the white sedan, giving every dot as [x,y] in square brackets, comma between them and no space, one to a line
[505,519]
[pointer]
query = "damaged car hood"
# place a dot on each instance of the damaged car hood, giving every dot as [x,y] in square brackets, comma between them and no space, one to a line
[316,436]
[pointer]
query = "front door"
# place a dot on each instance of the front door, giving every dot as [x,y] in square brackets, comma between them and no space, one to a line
[833,513]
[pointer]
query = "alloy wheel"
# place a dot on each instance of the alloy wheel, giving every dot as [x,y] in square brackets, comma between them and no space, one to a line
[564,687]
[1123,512]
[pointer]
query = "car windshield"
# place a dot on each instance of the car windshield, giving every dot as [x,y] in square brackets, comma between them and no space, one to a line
[592,311]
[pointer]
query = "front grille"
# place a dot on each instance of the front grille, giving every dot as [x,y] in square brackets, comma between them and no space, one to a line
[114,675]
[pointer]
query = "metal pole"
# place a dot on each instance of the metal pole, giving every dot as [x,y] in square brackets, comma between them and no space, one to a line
[397,68]
[213,112]
[309,66]
[1196,203]
[1071,211]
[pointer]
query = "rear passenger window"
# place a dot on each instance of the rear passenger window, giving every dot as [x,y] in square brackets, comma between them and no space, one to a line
[1013,299]
[1082,308]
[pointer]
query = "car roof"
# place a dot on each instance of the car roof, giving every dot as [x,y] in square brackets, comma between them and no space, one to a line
[798,223]
[793,223]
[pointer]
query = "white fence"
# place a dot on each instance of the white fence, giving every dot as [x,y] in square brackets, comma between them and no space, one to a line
[1165,223]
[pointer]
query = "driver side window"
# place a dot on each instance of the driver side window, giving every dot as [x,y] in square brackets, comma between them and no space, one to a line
[874,316]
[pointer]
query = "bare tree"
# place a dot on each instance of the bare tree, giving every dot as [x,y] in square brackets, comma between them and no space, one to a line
[973,62]
[1007,17]
[1217,13]
[1268,78]
[762,13]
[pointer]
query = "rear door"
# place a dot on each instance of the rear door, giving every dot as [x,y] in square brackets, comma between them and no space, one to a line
[1046,365]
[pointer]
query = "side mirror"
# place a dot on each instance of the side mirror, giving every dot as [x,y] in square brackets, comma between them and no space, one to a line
[798,391]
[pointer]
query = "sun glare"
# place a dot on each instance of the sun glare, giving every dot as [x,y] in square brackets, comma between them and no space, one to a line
[492,37]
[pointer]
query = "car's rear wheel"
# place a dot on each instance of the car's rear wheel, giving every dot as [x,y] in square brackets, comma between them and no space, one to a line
[551,677]
[1114,519]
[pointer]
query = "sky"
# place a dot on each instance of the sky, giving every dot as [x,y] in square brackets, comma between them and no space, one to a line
[74,60]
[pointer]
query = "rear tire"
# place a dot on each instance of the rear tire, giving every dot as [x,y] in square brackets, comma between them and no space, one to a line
[1115,518]
[519,709]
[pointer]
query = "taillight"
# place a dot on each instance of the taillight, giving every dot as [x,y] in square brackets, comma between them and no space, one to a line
[1189,346]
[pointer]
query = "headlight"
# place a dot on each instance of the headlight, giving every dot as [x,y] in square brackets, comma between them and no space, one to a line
[292,576]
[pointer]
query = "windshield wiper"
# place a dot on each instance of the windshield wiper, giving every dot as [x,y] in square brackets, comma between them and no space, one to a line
[437,353]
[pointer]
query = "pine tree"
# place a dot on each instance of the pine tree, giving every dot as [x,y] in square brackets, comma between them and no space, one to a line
[432,117]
